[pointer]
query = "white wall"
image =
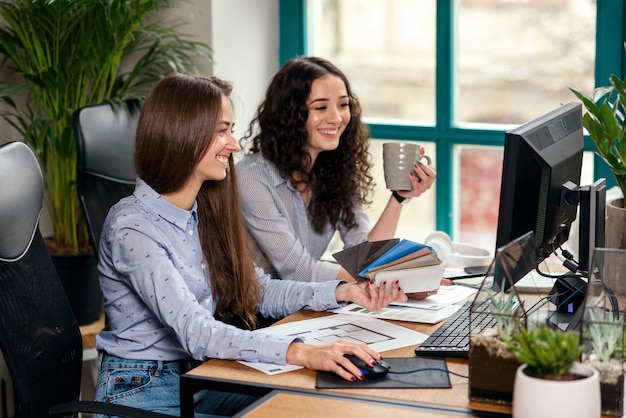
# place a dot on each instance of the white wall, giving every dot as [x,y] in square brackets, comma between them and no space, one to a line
[245,51]
[243,35]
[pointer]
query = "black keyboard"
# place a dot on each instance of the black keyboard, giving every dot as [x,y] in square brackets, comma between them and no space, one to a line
[451,339]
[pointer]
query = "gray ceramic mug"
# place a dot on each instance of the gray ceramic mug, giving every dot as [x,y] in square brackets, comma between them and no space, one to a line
[398,160]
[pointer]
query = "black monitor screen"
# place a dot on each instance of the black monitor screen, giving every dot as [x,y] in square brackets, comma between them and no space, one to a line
[539,157]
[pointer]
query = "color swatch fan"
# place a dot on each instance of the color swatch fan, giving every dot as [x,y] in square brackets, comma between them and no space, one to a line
[415,265]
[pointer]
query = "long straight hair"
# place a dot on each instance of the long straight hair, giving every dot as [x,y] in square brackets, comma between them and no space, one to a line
[175,129]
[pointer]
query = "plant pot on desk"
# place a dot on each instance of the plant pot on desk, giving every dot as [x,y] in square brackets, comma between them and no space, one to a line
[79,276]
[541,397]
[603,327]
[491,370]
[615,224]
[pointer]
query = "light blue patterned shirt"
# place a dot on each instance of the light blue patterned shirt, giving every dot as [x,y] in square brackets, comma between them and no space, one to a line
[276,218]
[154,279]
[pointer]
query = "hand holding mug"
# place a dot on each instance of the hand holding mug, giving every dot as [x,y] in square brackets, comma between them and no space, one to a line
[404,168]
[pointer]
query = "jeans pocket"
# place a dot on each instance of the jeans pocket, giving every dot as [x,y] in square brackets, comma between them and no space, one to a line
[124,383]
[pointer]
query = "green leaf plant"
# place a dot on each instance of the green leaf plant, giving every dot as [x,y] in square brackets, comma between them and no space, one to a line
[606,123]
[60,55]
[548,353]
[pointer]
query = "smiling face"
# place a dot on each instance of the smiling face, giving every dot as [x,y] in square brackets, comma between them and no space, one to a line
[329,113]
[214,163]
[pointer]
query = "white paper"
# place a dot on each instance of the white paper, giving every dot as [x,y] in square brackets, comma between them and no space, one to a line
[431,310]
[378,334]
[402,313]
[445,296]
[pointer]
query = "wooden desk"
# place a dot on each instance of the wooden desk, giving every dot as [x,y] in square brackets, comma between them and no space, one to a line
[281,404]
[88,332]
[234,377]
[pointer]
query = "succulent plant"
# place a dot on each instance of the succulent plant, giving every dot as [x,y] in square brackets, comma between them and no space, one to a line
[504,312]
[547,352]
[606,333]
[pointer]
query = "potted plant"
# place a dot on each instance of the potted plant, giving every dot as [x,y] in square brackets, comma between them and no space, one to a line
[550,382]
[605,121]
[491,366]
[63,55]
[603,335]
[603,325]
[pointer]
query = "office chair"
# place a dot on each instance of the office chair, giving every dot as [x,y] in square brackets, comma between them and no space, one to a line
[39,335]
[105,173]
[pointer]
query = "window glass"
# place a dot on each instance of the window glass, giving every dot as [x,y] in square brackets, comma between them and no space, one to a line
[513,61]
[517,58]
[387,50]
[477,198]
[418,216]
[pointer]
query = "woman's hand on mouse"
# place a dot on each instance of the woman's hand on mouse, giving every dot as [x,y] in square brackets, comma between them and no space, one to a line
[368,295]
[330,357]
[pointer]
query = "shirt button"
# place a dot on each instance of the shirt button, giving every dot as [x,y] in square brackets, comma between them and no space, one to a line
[202,266]
[190,232]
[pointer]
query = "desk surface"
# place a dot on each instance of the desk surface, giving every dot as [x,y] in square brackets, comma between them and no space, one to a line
[229,371]
[279,404]
[88,332]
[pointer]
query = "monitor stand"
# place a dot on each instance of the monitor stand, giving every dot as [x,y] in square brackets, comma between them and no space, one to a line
[592,212]
[591,200]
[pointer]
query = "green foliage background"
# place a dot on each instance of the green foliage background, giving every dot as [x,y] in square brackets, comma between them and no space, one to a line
[66,54]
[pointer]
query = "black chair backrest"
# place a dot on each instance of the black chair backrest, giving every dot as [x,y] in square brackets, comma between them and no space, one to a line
[105,141]
[39,336]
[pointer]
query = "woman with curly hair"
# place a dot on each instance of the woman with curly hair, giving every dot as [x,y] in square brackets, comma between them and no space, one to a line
[307,174]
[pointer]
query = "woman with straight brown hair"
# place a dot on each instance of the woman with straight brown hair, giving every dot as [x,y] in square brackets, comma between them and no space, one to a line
[177,277]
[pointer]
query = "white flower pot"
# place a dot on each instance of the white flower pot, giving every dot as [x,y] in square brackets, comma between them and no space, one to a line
[534,397]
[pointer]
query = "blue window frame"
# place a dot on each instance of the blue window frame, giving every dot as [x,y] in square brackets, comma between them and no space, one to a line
[610,59]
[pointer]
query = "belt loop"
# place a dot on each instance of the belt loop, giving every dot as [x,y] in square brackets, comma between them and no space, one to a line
[99,361]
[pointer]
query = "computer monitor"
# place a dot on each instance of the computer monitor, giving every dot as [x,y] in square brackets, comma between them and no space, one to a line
[540,157]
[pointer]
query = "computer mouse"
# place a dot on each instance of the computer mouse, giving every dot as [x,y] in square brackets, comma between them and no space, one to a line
[380,369]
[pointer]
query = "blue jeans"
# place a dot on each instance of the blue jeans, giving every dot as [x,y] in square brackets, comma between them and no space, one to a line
[154,385]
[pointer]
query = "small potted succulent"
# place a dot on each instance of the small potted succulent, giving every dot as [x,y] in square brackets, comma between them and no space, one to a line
[550,382]
[603,332]
[491,366]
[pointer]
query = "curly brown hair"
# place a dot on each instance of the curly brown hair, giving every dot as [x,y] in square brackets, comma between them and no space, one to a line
[340,178]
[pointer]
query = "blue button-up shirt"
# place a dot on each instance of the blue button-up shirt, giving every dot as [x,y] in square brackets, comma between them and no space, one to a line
[154,279]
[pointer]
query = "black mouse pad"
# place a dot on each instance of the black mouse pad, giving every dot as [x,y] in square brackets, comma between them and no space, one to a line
[431,373]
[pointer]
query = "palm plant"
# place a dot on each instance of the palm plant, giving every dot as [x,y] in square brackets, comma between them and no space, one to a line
[67,54]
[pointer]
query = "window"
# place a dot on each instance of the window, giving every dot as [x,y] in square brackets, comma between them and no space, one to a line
[454,75]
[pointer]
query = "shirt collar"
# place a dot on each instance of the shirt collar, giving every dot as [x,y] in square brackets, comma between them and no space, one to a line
[164,209]
[274,175]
